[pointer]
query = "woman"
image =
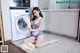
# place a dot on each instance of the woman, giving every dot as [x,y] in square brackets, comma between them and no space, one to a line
[36,27]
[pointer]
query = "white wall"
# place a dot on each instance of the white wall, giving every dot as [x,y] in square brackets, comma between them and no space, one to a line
[43,4]
[74,6]
[6,19]
[0,5]
[34,3]
[54,5]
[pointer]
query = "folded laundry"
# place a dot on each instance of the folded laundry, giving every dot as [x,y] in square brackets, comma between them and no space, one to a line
[27,46]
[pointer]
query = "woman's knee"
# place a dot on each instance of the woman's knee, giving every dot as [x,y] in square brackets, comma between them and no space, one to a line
[39,41]
[37,46]
[41,37]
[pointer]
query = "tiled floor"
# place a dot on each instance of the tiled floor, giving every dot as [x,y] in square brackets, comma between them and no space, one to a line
[64,45]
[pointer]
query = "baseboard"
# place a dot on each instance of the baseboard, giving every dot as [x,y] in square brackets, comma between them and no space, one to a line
[7,42]
[59,34]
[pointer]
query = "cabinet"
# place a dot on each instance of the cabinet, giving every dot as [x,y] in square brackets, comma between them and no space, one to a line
[69,22]
[64,22]
[54,22]
[1,32]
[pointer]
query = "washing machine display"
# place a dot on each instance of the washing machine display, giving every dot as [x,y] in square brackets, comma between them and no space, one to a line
[20,22]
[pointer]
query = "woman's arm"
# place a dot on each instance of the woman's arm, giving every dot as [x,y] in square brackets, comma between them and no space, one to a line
[40,27]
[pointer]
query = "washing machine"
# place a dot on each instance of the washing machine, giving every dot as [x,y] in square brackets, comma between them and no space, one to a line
[20,22]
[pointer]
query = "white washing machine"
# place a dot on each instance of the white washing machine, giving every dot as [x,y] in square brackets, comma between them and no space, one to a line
[20,22]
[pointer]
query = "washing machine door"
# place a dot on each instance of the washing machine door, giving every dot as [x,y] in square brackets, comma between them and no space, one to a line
[22,23]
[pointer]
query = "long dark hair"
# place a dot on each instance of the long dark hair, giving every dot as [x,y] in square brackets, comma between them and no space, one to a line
[34,17]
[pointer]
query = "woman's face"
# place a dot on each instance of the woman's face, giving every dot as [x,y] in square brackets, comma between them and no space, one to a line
[36,13]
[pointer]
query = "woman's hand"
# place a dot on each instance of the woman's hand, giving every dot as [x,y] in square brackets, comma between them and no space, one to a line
[30,29]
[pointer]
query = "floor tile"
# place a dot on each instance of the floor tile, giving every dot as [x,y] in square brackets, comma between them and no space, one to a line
[75,50]
[56,50]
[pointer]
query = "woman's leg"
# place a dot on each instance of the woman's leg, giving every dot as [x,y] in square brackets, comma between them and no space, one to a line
[39,41]
[30,40]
